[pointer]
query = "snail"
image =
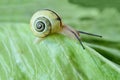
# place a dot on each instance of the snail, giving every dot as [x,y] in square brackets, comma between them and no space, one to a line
[46,22]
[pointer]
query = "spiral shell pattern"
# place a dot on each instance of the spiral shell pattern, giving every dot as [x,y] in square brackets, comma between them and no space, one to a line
[45,22]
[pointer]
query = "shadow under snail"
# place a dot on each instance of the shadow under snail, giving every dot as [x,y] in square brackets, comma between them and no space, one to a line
[46,22]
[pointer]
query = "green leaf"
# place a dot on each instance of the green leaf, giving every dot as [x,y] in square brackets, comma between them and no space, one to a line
[57,57]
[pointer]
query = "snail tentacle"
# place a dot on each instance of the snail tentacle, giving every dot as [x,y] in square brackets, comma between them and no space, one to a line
[78,38]
[89,34]
[68,31]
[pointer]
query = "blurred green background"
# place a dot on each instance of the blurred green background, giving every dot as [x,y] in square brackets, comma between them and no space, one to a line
[20,59]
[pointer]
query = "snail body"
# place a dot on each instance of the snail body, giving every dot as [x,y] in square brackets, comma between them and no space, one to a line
[46,22]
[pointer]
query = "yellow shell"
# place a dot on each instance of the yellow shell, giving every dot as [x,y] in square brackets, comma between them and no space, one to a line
[45,22]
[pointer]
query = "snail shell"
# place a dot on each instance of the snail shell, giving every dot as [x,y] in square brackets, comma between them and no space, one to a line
[45,22]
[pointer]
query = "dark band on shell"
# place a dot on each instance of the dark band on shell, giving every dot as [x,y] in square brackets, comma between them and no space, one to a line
[58,17]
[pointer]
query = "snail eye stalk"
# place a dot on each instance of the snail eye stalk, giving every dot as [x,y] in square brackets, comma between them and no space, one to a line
[89,34]
[78,38]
